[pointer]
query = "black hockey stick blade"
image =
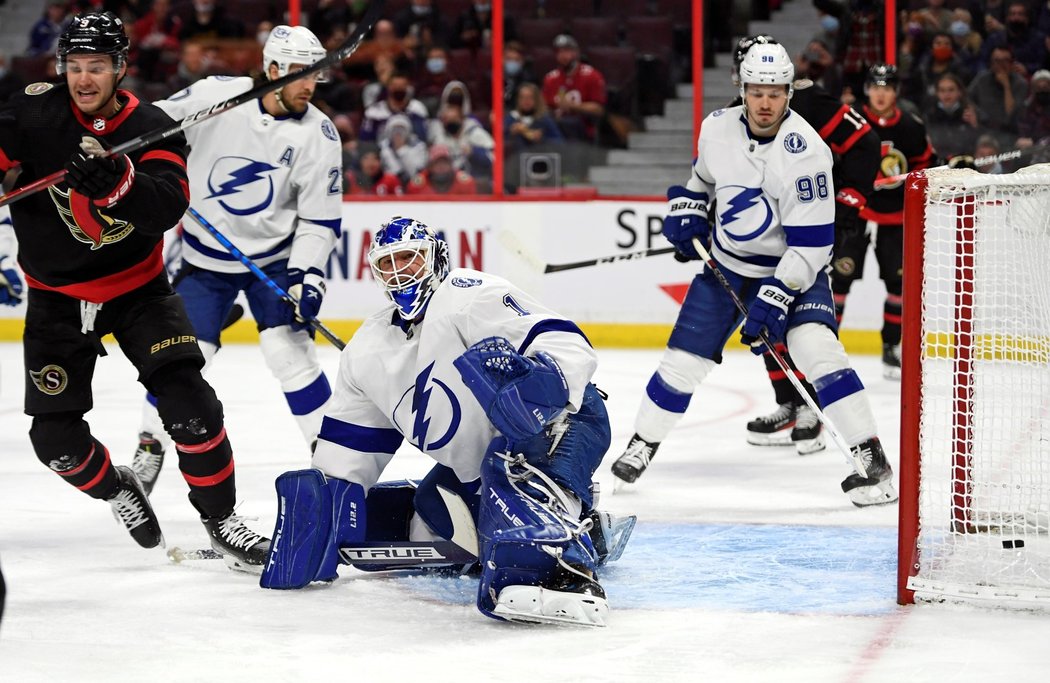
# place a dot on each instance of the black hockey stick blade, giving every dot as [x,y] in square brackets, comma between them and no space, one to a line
[628,256]
[375,9]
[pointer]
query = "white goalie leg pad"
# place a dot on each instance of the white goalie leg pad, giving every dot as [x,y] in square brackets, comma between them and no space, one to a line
[292,358]
[681,371]
[818,353]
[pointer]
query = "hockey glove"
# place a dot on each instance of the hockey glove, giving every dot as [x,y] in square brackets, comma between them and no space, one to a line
[686,218]
[769,312]
[307,289]
[520,395]
[10,282]
[104,179]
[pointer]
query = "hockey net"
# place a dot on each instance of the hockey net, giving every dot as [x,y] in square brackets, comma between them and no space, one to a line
[975,401]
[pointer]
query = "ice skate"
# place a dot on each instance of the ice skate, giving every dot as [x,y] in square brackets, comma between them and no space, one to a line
[891,361]
[635,459]
[131,508]
[148,459]
[242,549]
[773,429]
[808,433]
[569,596]
[877,488]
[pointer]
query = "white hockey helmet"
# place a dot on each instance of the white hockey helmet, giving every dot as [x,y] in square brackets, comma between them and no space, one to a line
[767,64]
[288,45]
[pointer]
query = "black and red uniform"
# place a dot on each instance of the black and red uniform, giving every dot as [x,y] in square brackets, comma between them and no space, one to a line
[93,269]
[904,148]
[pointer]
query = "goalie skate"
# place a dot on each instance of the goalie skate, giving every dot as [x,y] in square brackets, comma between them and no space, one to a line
[774,429]
[148,459]
[242,549]
[569,598]
[877,487]
[610,534]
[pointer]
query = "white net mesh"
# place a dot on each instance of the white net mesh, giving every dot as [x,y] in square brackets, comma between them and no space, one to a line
[984,429]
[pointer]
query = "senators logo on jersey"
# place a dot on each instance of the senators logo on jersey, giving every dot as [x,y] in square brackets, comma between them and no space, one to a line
[893,163]
[85,221]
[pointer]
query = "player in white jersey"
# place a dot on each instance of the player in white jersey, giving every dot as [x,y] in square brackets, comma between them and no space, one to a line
[267,175]
[497,389]
[769,173]
[10,280]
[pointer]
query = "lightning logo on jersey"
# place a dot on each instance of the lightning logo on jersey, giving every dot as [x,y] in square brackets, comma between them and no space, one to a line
[245,185]
[420,405]
[749,206]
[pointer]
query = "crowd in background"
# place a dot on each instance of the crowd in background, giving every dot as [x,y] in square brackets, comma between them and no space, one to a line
[413,104]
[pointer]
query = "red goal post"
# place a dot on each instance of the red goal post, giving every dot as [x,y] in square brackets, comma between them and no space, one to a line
[975,389]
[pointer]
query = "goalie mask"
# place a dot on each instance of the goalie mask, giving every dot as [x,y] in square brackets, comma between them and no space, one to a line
[408,260]
[290,45]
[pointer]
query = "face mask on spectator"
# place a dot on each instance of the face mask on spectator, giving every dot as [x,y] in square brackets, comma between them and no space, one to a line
[829,23]
[435,65]
[482,6]
[398,95]
[421,10]
[453,127]
[1017,26]
[960,28]
[949,108]
[915,30]
[1043,98]
[512,68]
[942,53]
[262,37]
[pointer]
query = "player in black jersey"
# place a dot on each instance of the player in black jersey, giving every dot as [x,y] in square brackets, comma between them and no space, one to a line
[856,159]
[904,148]
[90,249]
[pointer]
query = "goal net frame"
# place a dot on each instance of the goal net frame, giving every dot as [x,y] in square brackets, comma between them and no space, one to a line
[954,545]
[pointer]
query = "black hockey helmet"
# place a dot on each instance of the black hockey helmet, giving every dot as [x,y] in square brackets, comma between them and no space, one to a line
[743,45]
[100,33]
[881,73]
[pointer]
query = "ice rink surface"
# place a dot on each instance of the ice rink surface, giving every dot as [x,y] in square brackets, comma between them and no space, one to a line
[747,564]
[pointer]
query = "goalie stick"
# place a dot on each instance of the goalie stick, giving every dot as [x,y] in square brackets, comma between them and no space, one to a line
[512,243]
[363,28]
[407,554]
[266,279]
[857,464]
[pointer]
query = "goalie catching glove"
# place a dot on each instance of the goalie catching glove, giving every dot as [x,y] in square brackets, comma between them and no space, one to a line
[519,394]
[104,179]
[769,311]
[307,289]
[686,218]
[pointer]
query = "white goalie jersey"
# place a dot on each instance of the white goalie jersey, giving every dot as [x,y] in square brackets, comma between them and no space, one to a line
[272,185]
[774,198]
[392,388]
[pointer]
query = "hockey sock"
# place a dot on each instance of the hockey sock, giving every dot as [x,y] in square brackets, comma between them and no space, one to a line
[63,443]
[891,320]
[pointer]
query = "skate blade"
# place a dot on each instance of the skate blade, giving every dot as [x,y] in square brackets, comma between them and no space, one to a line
[782,438]
[810,446]
[892,373]
[538,605]
[620,485]
[867,496]
[238,566]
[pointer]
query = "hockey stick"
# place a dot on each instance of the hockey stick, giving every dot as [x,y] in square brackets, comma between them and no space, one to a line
[266,279]
[370,17]
[855,461]
[405,554]
[512,243]
[979,161]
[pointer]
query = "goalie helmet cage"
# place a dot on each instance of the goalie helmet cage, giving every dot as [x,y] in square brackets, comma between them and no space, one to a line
[975,389]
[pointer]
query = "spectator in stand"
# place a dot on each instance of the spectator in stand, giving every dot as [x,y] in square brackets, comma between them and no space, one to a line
[528,124]
[329,15]
[860,39]
[818,65]
[951,120]
[384,69]
[10,82]
[966,41]
[939,60]
[208,21]
[420,26]
[194,64]
[370,178]
[430,82]
[998,94]
[155,42]
[1028,44]
[440,178]
[399,100]
[344,125]
[1033,123]
[47,29]
[994,16]
[574,91]
[515,72]
[402,152]
[474,27]
[470,145]
[936,16]
[988,146]
[829,29]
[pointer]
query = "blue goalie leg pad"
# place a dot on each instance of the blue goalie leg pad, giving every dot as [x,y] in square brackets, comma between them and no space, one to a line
[303,530]
[349,520]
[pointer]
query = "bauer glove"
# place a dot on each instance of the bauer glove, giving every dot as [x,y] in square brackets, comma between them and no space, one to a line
[307,289]
[769,312]
[686,218]
[104,179]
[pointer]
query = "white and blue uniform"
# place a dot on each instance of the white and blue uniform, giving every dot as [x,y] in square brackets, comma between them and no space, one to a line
[272,186]
[391,388]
